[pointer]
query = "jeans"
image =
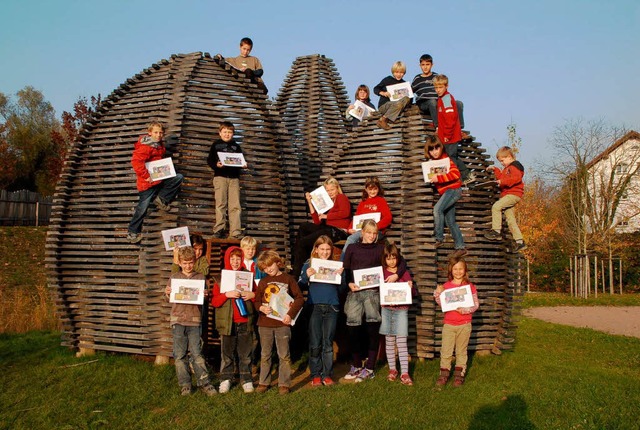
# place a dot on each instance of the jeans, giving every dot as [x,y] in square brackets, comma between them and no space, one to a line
[322,328]
[454,336]
[281,335]
[392,110]
[227,195]
[242,343]
[187,339]
[166,190]
[361,302]
[430,106]
[395,322]
[452,151]
[506,204]
[445,212]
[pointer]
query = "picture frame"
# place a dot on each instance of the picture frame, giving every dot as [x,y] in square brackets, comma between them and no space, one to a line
[235,280]
[395,293]
[280,303]
[360,110]
[358,220]
[368,278]
[454,298]
[320,200]
[326,271]
[187,291]
[435,167]
[398,91]
[175,238]
[232,159]
[160,169]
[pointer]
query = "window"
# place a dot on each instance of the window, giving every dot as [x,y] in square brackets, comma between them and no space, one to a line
[621,168]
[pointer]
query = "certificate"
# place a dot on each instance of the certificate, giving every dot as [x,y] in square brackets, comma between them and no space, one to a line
[187,291]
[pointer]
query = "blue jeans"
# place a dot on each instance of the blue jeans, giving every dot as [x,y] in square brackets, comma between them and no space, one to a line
[322,328]
[445,212]
[241,342]
[187,339]
[363,302]
[166,190]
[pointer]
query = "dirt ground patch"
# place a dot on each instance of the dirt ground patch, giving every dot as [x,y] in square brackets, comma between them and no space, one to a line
[622,320]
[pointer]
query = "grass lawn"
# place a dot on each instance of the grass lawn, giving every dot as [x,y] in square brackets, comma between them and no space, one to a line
[557,378]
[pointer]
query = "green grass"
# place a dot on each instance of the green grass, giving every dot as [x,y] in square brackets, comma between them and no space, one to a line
[22,256]
[557,378]
[562,299]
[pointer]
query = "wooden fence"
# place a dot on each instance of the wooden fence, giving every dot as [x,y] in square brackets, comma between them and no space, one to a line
[24,208]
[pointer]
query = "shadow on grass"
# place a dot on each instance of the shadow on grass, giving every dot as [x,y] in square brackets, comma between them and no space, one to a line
[511,412]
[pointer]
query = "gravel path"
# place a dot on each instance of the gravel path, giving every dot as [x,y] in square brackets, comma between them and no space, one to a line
[622,320]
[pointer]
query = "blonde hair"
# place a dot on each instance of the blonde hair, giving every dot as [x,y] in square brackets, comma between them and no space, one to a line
[369,223]
[248,242]
[505,150]
[333,181]
[267,258]
[399,66]
[153,124]
[186,253]
[321,241]
[440,79]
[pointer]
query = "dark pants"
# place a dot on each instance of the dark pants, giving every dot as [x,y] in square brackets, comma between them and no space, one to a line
[241,340]
[452,151]
[166,190]
[322,328]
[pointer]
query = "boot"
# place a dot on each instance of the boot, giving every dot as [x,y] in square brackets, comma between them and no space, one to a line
[382,123]
[458,376]
[443,378]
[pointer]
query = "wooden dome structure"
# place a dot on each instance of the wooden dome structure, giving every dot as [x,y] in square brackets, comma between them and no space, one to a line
[109,292]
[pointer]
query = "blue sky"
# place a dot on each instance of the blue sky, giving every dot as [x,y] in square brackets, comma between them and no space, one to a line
[533,63]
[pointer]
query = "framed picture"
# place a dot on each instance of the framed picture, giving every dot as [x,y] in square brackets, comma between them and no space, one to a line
[435,167]
[455,298]
[395,293]
[360,110]
[368,278]
[326,271]
[320,200]
[187,291]
[176,237]
[280,303]
[232,159]
[231,280]
[160,169]
[398,91]
[358,220]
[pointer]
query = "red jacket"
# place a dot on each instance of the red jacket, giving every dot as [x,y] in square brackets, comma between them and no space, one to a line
[219,299]
[449,130]
[339,215]
[146,150]
[375,204]
[464,315]
[448,181]
[511,179]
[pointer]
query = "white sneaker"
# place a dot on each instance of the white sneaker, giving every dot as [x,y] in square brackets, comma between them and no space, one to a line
[353,373]
[224,386]
[248,387]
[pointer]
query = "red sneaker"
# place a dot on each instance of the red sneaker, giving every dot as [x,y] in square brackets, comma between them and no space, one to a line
[328,381]
[316,382]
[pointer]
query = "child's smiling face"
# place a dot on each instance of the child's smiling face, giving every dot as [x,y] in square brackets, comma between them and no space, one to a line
[398,74]
[272,270]
[226,134]
[235,261]
[156,133]
[324,251]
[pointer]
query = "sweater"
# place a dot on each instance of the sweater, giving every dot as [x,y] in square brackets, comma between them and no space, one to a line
[382,86]
[423,89]
[375,204]
[272,285]
[460,316]
[248,62]
[406,277]
[511,179]
[185,314]
[364,256]
[449,130]
[212,160]
[146,150]
[320,293]
[339,215]
[450,180]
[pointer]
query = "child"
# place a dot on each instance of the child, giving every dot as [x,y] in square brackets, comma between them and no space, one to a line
[389,110]
[426,97]
[202,265]
[456,330]
[333,223]
[273,330]
[249,246]
[372,201]
[449,188]
[250,66]
[150,148]
[226,184]
[511,190]
[395,320]
[364,255]
[185,322]
[235,326]
[323,297]
[362,94]
[449,130]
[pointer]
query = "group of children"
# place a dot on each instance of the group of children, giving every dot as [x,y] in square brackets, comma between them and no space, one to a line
[239,313]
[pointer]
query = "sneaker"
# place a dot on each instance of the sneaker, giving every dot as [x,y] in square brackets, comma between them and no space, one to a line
[185,391]
[353,373]
[328,381]
[438,243]
[393,375]
[406,379]
[220,234]
[283,390]
[134,237]
[262,388]
[520,246]
[466,138]
[316,381]
[470,178]
[365,374]
[225,386]
[248,387]
[493,235]
[164,207]
[459,253]
[209,390]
